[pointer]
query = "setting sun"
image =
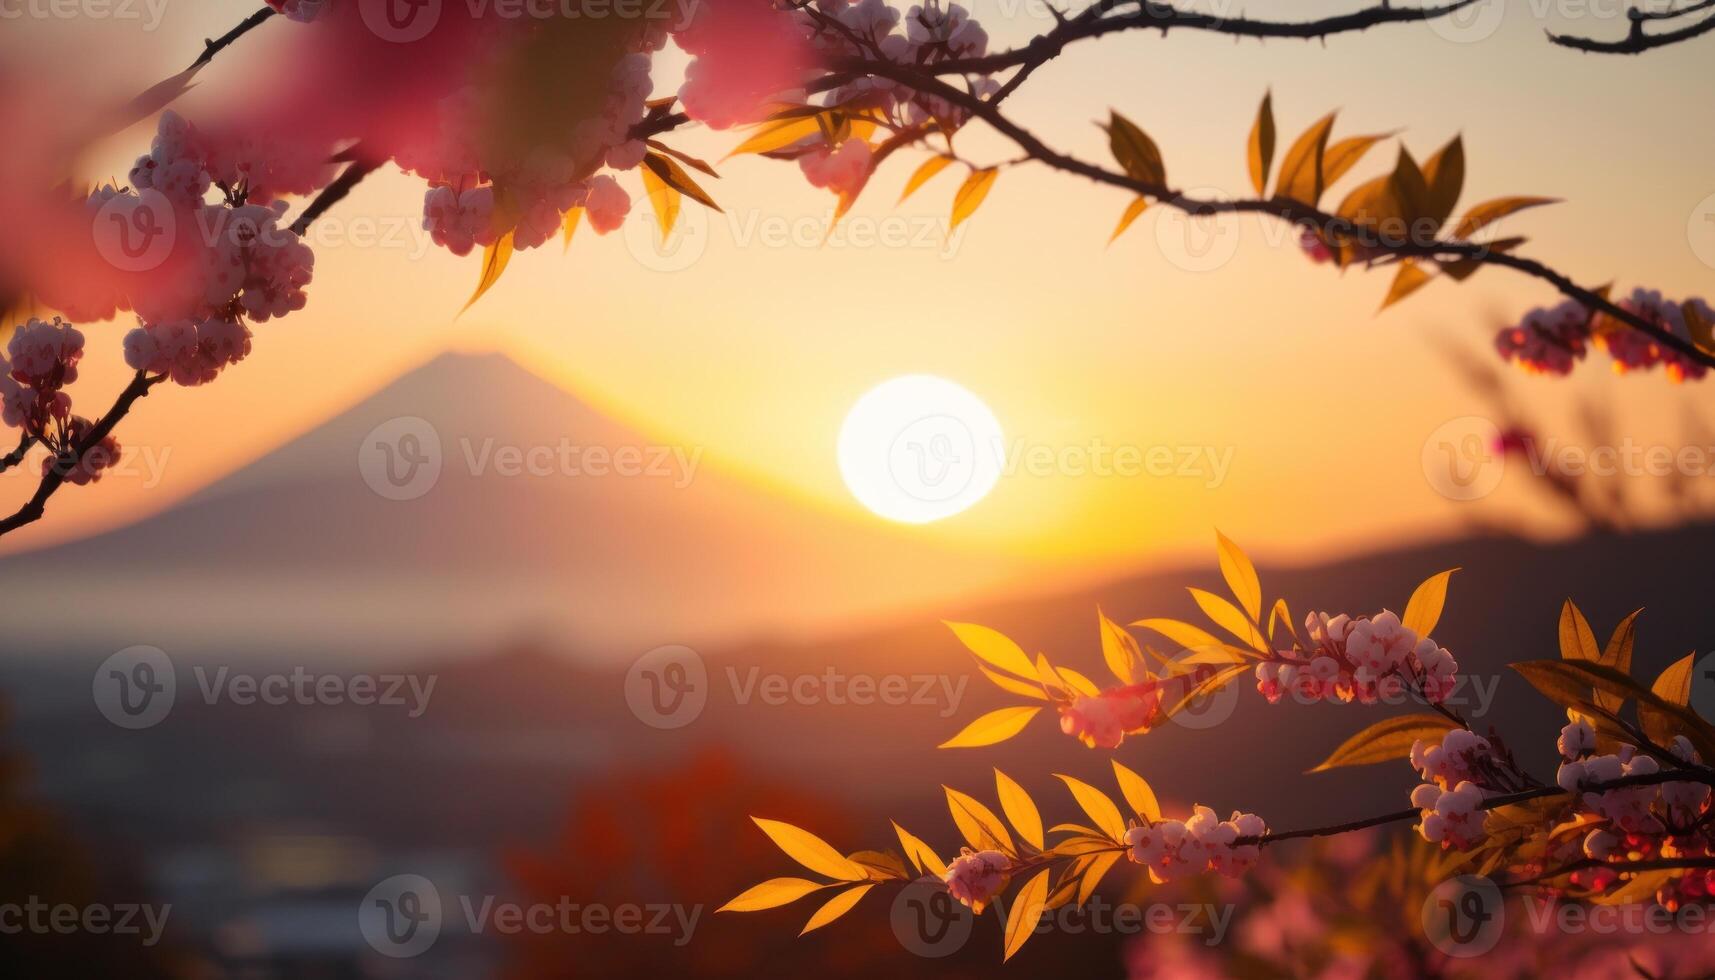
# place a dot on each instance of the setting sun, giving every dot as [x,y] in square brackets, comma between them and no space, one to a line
[920,448]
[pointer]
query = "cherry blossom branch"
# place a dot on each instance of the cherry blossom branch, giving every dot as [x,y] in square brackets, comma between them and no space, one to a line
[1094,22]
[1689,774]
[219,44]
[1654,864]
[16,456]
[361,166]
[1284,209]
[55,475]
[1637,41]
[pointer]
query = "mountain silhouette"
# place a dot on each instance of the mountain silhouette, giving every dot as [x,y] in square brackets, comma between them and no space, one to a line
[347,536]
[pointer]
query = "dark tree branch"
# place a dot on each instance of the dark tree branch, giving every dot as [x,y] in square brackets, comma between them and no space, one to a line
[1622,867]
[16,456]
[1285,209]
[55,476]
[1689,774]
[360,167]
[1637,41]
[214,46]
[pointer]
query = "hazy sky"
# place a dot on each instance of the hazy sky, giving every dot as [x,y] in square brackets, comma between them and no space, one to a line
[751,342]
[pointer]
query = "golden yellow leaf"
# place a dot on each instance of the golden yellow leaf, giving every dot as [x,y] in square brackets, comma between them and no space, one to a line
[1445,174]
[922,856]
[1388,739]
[1133,211]
[1577,640]
[1302,169]
[1078,682]
[837,906]
[927,169]
[494,260]
[1007,683]
[1618,655]
[1026,912]
[1240,574]
[979,825]
[1137,793]
[1342,156]
[569,226]
[778,134]
[1423,610]
[1094,871]
[1260,152]
[1701,329]
[773,893]
[1281,614]
[1050,677]
[674,176]
[1227,616]
[1409,279]
[810,851]
[1489,212]
[1136,153]
[1673,687]
[663,198]
[994,648]
[1411,190]
[1096,803]
[1020,809]
[1568,682]
[1188,636]
[995,727]
[970,195]
[1121,651]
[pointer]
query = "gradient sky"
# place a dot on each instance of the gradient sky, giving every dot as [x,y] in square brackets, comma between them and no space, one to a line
[754,350]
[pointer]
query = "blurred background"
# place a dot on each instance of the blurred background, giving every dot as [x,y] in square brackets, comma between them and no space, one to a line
[320,642]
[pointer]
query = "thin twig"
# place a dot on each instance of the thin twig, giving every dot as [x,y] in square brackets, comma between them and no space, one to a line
[219,44]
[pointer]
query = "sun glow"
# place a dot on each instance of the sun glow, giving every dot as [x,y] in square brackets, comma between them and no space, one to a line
[919,448]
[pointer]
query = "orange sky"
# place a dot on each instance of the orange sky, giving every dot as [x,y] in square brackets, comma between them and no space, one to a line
[754,349]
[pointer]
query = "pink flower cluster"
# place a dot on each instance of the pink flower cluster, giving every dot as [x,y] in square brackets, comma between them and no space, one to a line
[1630,809]
[1173,849]
[1552,340]
[80,468]
[976,877]
[476,195]
[1451,795]
[1105,720]
[1366,659]
[43,360]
